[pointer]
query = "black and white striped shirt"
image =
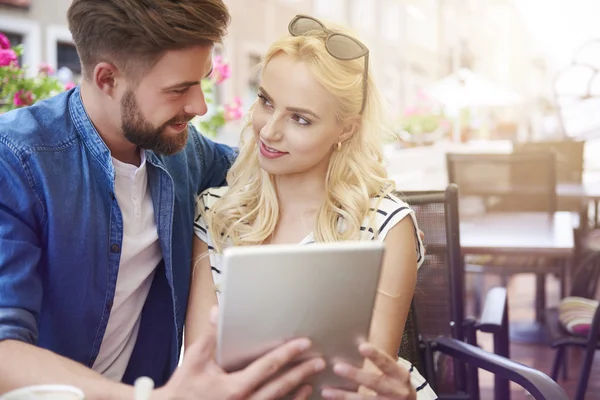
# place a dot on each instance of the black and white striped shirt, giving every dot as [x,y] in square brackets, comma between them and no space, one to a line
[389,210]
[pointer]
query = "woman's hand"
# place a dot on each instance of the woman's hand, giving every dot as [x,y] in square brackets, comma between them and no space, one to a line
[392,383]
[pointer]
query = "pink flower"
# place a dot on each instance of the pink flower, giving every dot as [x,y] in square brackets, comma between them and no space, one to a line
[421,96]
[8,57]
[234,111]
[4,42]
[221,70]
[46,69]
[410,111]
[70,86]
[23,98]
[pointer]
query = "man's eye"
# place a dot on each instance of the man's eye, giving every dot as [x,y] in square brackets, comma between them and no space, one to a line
[181,91]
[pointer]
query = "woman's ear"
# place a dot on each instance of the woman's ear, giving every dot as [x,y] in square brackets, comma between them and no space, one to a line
[349,129]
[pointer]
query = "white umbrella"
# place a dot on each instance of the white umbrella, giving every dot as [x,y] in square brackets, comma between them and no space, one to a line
[465,88]
[577,94]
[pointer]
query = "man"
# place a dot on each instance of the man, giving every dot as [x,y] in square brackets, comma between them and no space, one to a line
[96,207]
[96,214]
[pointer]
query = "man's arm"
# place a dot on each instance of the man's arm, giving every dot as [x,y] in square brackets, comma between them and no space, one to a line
[215,159]
[21,362]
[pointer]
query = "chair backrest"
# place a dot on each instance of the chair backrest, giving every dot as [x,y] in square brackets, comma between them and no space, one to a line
[569,156]
[568,153]
[438,303]
[506,182]
[586,272]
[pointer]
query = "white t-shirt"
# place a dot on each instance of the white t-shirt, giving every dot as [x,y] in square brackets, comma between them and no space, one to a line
[140,254]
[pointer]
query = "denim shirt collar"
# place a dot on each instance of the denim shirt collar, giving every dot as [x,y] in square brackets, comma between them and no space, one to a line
[87,131]
[91,138]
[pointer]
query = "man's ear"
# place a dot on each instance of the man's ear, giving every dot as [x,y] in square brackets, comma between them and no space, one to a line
[349,129]
[106,77]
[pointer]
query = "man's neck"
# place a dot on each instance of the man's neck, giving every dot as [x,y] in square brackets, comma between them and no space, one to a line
[109,131]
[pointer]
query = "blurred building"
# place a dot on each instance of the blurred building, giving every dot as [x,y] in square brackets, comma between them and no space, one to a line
[403,37]
[41,27]
[413,43]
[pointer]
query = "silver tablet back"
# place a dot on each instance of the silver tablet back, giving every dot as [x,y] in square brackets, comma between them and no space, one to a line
[277,292]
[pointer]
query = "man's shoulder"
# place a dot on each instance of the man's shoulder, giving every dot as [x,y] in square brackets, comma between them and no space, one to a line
[43,126]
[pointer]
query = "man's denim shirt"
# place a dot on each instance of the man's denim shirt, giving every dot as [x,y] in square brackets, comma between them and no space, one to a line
[61,232]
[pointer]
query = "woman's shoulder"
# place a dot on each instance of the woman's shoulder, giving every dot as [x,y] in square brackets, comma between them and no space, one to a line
[385,211]
[211,195]
[388,203]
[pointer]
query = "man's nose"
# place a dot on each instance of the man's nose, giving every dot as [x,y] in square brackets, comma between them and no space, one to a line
[196,104]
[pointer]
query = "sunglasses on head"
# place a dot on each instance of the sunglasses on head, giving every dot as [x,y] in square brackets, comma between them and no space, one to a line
[338,45]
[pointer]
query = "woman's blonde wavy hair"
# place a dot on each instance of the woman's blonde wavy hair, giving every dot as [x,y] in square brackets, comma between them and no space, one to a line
[249,211]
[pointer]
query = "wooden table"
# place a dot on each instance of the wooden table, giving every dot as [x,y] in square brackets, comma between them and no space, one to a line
[438,180]
[587,191]
[519,234]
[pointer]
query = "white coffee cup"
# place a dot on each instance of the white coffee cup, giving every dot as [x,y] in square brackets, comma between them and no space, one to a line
[45,392]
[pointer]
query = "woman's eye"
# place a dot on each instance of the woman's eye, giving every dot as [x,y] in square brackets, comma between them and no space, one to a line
[264,101]
[300,120]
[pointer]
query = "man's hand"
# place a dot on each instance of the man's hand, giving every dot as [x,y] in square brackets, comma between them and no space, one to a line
[393,383]
[199,377]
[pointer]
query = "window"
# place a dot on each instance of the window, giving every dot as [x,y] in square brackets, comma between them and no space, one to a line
[66,56]
[28,34]
[391,20]
[391,88]
[214,101]
[15,39]
[362,15]
[16,3]
[332,9]
[253,82]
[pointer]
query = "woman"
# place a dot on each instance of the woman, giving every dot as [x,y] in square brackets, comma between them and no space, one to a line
[310,170]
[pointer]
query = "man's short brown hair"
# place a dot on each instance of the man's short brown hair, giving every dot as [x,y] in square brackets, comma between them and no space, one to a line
[134,34]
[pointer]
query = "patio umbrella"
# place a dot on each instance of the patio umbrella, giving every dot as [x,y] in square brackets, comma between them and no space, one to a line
[465,88]
[577,94]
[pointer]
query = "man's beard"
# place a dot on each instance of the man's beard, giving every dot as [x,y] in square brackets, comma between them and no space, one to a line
[142,133]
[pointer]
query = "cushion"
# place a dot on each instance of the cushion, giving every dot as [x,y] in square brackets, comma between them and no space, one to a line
[576,313]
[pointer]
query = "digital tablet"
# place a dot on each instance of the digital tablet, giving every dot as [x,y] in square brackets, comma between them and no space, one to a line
[274,293]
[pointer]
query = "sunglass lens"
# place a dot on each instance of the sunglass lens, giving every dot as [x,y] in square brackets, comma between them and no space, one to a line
[304,25]
[344,47]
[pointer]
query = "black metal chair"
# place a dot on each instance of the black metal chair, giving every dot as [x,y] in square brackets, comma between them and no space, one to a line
[506,182]
[438,339]
[585,285]
[523,182]
[568,153]
[569,156]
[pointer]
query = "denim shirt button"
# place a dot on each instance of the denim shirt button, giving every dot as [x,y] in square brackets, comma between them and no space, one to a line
[115,248]
[112,195]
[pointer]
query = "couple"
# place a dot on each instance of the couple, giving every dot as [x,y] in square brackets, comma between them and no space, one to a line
[99,186]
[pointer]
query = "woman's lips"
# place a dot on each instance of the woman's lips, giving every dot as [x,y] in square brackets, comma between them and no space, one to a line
[270,152]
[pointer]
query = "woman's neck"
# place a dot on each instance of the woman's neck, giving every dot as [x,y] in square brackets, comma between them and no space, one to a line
[299,193]
[299,201]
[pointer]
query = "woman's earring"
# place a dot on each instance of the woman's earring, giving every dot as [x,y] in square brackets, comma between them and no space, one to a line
[339,146]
